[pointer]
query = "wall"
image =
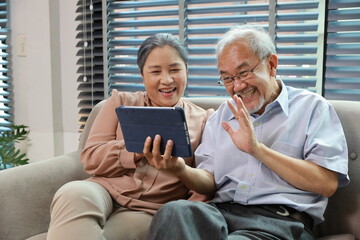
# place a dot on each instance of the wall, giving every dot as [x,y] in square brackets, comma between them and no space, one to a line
[44,75]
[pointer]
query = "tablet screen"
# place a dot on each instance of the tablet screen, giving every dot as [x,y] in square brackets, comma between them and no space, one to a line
[137,123]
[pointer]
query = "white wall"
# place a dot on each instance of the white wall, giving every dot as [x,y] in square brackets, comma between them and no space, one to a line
[44,75]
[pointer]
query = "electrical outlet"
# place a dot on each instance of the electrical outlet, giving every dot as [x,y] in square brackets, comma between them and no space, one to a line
[21,45]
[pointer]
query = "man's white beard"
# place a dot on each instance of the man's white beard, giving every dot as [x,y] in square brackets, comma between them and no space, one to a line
[258,107]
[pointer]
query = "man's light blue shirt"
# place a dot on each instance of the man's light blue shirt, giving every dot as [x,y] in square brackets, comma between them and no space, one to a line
[299,124]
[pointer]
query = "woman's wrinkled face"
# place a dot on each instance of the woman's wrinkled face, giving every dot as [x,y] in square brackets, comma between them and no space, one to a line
[164,76]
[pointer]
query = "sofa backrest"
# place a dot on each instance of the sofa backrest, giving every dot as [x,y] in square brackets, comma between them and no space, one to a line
[343,212]
[89,122]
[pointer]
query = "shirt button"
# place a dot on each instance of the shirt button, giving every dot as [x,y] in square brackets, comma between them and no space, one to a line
[256,124]
[244,187]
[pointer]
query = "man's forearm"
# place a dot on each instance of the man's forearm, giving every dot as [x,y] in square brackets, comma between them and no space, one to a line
[198,180]
[302,174]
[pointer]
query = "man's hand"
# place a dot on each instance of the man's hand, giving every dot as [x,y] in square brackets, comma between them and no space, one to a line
[244,138]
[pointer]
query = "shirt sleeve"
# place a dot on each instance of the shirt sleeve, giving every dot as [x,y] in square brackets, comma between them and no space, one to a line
[326,143]
[204,154]
[104,153]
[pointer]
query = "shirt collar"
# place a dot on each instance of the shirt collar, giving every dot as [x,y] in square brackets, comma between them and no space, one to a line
[147,101]
[283,98]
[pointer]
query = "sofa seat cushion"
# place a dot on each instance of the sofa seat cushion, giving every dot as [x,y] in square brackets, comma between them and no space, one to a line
[41,236]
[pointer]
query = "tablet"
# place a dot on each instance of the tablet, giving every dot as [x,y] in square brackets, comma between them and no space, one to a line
[137,123]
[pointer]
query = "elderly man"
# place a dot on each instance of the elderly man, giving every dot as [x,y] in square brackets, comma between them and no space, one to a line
[273,155]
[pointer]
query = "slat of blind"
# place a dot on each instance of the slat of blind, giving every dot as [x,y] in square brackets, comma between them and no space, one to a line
[296,27]
[343,26]
[297,5]
[137,33]
[342,61]
[129,60]
[139,13]
[343,37]
[124,69]
[300,82]
[145,23]
[343,14]
[343,4]
[346,72]
[229,9]
[334,49]
[299,38]
[6,101]
[342,94]
[228,19]
[304,16]
[90,53]
[141,4]
[123,51]
[342,72]
[124,78]
[346,83]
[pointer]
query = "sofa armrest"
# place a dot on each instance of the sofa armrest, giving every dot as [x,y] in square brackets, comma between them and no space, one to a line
[26,193]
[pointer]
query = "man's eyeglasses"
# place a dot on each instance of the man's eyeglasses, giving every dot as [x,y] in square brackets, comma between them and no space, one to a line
[242,76]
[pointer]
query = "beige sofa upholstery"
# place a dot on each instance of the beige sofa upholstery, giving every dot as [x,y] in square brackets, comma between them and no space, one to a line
[26,191]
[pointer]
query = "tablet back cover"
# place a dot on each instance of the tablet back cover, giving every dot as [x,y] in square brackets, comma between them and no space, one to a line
[137,123]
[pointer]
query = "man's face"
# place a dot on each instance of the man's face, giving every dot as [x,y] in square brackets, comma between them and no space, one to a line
[260,86]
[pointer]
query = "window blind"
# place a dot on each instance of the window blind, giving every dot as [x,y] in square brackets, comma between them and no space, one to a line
[5,79]
[90,56]
[298,28]
[296,31]
[342,73]
[199,25]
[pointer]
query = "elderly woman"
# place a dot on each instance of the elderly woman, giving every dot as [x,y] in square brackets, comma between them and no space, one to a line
[119,201]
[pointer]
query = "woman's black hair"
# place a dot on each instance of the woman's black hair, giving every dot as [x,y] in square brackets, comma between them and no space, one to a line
[160,40]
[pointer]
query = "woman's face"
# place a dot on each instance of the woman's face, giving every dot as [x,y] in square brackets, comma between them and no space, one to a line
[165,76]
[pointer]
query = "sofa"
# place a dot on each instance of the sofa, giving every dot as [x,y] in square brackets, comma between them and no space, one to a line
[27,191]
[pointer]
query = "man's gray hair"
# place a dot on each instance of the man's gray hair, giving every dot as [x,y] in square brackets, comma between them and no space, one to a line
[254,36]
